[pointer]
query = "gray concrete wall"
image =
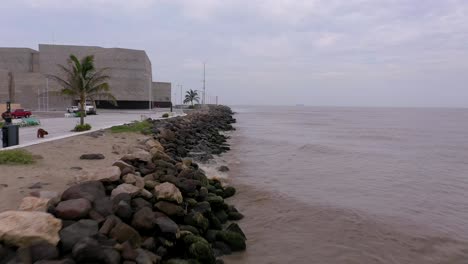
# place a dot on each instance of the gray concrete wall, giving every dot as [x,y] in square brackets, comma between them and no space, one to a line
[18,59]
[129,70]
[4,91]
[161,92]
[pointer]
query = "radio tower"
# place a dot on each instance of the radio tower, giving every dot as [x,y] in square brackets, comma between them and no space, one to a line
[204,83]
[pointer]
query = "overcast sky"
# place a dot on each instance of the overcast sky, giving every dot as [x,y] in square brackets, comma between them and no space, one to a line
[313,52]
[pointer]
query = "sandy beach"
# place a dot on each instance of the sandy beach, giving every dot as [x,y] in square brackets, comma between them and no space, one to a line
[58,163]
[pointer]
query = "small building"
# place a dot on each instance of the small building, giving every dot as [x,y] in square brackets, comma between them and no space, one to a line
[23,77]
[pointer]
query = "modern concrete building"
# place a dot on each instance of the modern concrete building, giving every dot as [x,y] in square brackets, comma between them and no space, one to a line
[23,77]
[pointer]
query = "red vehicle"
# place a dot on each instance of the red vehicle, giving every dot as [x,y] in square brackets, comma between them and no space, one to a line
[19,113]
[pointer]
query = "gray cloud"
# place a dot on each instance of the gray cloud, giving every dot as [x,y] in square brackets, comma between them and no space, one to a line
[354,52]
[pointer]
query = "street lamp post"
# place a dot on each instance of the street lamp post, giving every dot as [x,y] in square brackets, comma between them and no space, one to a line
[150,93]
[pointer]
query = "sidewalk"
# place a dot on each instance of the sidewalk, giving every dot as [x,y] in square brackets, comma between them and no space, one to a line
[61,127]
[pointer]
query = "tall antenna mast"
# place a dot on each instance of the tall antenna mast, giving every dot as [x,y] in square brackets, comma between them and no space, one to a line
[204,83]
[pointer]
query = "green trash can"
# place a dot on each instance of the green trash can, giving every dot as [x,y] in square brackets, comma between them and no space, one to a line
[10,135]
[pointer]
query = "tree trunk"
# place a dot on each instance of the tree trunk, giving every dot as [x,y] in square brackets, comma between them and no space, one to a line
[82,110]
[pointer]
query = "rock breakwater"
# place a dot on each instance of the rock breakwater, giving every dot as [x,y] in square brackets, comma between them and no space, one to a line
[154,205]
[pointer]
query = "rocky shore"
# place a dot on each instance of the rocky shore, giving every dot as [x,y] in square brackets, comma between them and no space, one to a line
[154,205]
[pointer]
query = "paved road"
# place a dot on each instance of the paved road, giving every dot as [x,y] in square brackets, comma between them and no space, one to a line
[60,127]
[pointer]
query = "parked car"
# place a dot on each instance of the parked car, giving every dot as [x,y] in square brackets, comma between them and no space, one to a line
[72,109]
[90,110]
[18,113]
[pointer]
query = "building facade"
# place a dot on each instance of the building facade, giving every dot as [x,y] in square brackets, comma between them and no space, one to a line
[23,77]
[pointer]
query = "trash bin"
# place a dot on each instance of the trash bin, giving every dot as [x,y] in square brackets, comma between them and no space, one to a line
[10,135]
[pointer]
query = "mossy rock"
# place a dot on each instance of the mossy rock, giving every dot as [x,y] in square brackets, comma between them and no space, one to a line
[189,228]
[211,188]
[234,240]
[233,227]
[197,220]
[232,208]
[222,247]
[214,222]
[216,202]
[219,192]
[203,193]
[229,192]
[166,243]
[181,261]
[202,252]
[211,235]
[222,216]
[235,216]
[191,202]
[190,239]
[199,176]
[202,207]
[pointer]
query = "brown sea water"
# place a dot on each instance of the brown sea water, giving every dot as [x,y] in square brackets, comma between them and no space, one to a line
[351,185]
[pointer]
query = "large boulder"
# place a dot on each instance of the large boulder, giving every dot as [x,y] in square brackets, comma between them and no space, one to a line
[22,228]
[169,208]
[167,227]
[233,227]
[234,240]
[169,192]
[137,155]
[124,167]
[138,203]
[143,219]
[73,209]
[151,143]
[188,186]
[202,207]
[109,174]
[73,233]
[216,202]
[132,190]
[198,220]
[202,251]
[90,190]
[123,210]
[88,250]
[129,178]
[123,232]
[31,203]
[229,191]
[146,257]
[103,206]
[43,251]
[110,222]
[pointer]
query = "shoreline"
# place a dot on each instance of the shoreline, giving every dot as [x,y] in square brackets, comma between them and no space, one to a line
[189,222]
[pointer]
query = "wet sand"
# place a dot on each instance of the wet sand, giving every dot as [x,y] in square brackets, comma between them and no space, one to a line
[54,171]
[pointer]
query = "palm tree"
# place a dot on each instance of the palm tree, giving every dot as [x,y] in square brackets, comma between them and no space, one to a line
[83,81]
[191,96]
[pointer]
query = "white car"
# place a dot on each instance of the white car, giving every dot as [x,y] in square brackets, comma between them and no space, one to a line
[72,109]
[90,110]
